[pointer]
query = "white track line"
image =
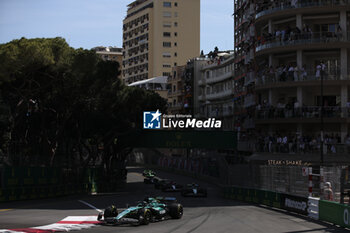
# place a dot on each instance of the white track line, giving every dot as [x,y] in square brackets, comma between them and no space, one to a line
[91,206]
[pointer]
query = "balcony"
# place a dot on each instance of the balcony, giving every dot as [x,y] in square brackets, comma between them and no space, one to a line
[250,78]
[278,7]
[307,114]
[320,40]
[175,93]
[219,78]
[222,112]
[249,123]
[249,101]
[304,149]
[220,95]
[308,79]
[176,107]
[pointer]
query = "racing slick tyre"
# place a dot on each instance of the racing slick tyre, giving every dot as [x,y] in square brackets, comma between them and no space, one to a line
[111,211]
[145,217]
[176,210]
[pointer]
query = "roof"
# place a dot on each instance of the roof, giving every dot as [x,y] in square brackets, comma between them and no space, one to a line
[160,79]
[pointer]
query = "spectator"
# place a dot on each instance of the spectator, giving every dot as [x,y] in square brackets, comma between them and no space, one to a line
[318,71]
[296,73]
[328,192]
[303,72]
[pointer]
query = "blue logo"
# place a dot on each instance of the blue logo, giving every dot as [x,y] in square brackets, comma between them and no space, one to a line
[151,120]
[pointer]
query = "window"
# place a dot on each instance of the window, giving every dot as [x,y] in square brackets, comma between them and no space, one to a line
[175,33]
[166,14]
[167,4]
[175,3]
[167,24]
[175,24]
[167,44]
[175,44]
[166,55]
[175,54]
[166,74]
[175,64]
[166,66]
[166,34]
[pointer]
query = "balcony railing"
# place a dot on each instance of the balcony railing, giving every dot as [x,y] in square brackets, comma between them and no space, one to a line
[249,78]
[303,39]
[223,112]
[175,93]
[293,147]
[219,95]
[306,112]
[221,77]
[249,101]
[299,77]
[277,6]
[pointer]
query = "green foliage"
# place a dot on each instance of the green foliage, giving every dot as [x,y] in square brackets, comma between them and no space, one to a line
[64,106]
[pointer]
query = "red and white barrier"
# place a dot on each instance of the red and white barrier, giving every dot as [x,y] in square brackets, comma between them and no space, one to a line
[70,223]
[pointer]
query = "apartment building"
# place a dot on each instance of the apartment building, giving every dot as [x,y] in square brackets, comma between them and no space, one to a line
[176,90]
[157,35]
[110,54]
[216,89]
[292,73]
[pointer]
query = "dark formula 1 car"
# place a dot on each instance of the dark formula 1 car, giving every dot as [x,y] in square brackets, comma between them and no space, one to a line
[158,184]
[170,186]
[149,210]
[151,180]
[194,190]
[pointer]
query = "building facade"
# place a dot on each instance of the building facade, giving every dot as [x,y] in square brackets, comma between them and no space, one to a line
[216,91]
[295,77]
[110,54]
[176,90]
[158,35]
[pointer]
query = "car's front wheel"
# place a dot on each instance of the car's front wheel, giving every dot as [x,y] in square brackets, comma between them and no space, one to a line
[176,210]
[145,217]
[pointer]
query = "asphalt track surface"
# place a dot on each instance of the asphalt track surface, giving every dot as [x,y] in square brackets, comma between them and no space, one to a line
[204,215]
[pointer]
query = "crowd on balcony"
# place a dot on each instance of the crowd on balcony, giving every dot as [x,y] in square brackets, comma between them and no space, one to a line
[295,143]
[292,72]
[283,143]
[293,109]
[290,34]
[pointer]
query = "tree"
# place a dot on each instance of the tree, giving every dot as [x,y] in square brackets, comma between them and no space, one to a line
[64,106]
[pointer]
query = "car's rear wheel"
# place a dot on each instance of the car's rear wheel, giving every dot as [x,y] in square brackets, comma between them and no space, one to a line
[176,210]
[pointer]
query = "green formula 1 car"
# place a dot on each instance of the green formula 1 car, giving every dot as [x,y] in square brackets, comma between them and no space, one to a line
[149,210]
[149,173]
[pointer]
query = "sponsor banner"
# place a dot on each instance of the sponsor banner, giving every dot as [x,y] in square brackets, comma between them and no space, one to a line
[335,213]
[294,204]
